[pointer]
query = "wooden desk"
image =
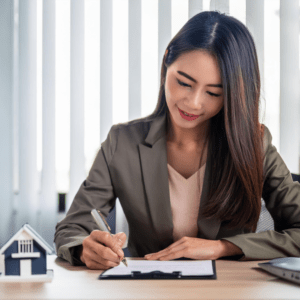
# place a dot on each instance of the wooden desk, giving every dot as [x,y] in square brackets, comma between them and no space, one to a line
[235,280]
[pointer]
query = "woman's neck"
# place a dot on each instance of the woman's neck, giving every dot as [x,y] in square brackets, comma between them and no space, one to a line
[188,139]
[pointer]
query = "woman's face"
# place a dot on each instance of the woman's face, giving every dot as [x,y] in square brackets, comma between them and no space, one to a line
[193,85]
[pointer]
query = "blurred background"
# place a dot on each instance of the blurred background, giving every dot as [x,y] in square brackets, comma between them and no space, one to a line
[70,69]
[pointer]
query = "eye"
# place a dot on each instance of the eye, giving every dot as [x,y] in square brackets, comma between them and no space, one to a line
[183,84]
[214,95]
[187,85]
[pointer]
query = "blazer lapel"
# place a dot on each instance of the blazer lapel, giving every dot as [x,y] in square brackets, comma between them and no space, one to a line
[155,176]
[153,156]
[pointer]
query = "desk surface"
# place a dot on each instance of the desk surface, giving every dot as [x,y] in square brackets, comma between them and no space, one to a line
[235,280]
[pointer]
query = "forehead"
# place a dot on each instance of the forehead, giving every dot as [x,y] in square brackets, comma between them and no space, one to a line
[197,63]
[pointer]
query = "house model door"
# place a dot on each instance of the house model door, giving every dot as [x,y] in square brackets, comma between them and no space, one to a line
[25,267]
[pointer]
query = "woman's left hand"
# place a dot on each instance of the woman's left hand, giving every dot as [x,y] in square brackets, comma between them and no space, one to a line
[189,247]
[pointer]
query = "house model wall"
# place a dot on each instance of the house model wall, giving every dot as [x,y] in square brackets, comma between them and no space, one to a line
[25,254]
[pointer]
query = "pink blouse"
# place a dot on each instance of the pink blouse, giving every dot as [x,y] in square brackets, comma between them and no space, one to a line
[185,202]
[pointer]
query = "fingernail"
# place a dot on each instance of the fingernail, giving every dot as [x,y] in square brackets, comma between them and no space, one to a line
[120,253]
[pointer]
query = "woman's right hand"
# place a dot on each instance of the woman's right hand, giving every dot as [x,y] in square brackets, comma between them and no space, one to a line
[101,251]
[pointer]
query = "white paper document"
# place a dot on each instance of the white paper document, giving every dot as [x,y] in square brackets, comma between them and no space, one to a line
[186,267]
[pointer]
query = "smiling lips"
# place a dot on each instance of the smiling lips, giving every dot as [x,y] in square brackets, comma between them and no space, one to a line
[191,115]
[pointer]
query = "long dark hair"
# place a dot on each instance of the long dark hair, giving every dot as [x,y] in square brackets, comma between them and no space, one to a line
[235,132]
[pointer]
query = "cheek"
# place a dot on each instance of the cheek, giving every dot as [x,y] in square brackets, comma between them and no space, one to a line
[172,92]
[167,93]
[216,108]
[221,105]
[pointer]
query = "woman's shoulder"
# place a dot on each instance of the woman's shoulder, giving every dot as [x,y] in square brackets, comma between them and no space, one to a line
[134,131]
[136,122]
[135,125]
[125,135]
[266,136]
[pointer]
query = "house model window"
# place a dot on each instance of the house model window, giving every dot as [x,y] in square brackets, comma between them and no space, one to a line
[25,246]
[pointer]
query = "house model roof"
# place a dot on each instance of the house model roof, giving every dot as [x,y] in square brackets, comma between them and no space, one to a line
[27,228]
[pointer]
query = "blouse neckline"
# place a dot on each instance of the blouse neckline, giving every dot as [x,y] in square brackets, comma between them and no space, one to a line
[187,179]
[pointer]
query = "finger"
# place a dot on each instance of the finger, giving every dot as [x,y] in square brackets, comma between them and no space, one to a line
[95,265]
[155,255]
[103,258]
[158,254]
[173,255]
[172,246]
[114,244]
[177,243]
[121,238]
[109,242]
[104,252]
[108,254]
[165,252]
[103,261]
[89,256]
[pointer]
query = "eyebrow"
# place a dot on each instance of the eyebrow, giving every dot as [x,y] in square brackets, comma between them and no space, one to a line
[192,79]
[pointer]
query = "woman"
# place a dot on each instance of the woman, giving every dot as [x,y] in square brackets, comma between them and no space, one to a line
[191,186]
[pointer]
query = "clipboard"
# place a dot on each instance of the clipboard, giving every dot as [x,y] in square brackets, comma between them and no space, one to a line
[157,274]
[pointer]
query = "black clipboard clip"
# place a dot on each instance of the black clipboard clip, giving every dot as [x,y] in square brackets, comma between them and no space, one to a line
[156,275]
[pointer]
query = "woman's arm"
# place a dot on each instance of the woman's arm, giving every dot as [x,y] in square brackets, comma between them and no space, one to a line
[282,198]
[95,192]
[229,249]
[196,248]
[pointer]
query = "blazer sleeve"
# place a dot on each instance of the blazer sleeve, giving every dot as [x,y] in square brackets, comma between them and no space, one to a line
[282,197]
[95,192]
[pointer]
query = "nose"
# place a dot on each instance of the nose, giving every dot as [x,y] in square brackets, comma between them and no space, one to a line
[196,103]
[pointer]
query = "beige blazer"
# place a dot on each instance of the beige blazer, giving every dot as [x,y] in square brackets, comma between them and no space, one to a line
[132,165]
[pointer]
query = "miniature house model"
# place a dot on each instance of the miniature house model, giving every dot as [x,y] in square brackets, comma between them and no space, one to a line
[25,256]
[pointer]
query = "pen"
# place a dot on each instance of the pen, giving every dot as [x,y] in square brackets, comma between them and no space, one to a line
[102,224]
